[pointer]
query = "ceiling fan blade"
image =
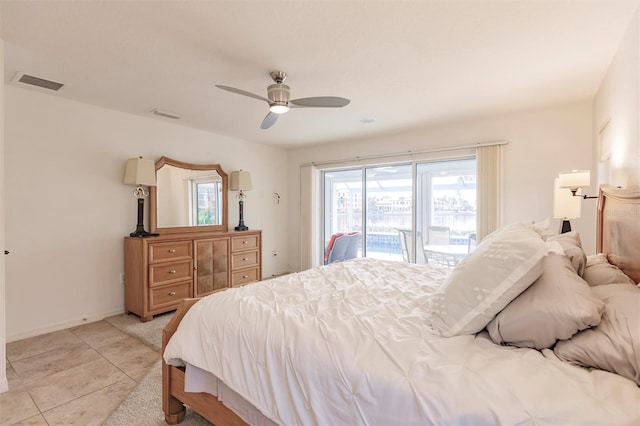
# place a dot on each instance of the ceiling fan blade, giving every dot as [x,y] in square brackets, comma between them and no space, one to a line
[269,120]
[320,102]
[242,92]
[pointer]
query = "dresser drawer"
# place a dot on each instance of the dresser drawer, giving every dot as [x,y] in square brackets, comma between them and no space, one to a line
[244,260]
[160,252]
[170,272]
[245,276]
[246,242]
[162,297]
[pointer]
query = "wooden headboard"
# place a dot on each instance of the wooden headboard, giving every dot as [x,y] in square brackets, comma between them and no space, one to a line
[618,228]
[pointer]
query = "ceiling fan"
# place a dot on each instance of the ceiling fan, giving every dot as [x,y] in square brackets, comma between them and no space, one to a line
[279,102]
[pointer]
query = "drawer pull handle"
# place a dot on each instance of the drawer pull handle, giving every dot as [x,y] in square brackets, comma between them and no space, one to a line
[245,258]
[172,250]
[245,242]
[245,276]
[173,293]
[173,271]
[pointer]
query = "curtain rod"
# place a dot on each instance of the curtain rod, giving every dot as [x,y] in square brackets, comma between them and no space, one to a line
[399,154]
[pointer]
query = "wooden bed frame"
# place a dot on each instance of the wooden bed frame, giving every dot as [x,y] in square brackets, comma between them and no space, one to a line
[618,228]
[618,231]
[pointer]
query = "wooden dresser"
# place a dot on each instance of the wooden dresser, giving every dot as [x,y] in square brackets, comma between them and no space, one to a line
[159,271]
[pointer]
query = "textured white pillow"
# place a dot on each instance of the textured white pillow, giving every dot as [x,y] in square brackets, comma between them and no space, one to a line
[555,307]
[501,267]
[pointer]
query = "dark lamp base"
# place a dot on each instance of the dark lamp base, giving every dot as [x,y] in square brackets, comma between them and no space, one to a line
[140,234]
[241,226]
[143,234]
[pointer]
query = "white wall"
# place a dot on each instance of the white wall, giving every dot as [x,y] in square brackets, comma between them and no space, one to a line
[541,143]
[4,385]
[618,103]
[67,209]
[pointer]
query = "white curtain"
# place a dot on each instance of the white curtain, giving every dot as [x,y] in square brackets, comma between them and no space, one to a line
[308,217]
[489,189]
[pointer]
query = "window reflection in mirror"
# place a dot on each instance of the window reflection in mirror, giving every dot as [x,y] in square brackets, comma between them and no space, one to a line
[188,197]
[206,201]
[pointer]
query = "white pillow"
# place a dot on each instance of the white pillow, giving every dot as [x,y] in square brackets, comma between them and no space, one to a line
[555,307]
[572,245]
[501,267]
[600,272]
[614,344]
[542,228]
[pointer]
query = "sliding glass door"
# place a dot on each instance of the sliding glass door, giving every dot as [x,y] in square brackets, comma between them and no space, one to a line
[343,208]
[389,208]
[446,210]
[422,212]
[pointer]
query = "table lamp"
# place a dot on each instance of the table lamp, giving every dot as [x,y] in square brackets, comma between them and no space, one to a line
[240,181]
[140,173]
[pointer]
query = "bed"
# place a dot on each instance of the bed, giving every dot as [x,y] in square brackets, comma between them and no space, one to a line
[379,342]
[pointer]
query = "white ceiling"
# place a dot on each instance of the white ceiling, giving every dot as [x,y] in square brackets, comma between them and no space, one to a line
[405,64]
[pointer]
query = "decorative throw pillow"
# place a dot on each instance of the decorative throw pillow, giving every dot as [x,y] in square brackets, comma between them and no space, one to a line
[555,307]
[600,272]
[572,245]
[501,267]
[613,345]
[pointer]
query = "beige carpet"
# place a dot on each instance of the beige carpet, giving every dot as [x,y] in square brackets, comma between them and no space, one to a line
[149,332]
[143,406]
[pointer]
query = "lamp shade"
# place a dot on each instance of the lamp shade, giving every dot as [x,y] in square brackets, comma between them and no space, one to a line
[575,179]
[240,181]
[139,171]
[565,205]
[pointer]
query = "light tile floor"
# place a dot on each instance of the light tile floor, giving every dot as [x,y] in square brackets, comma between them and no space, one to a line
[72,377]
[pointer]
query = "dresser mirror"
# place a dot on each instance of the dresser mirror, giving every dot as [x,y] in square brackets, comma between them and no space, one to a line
[188,198]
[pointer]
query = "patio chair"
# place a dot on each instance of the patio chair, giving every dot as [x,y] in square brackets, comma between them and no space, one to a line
[439,236]
[344,247]
[406,243]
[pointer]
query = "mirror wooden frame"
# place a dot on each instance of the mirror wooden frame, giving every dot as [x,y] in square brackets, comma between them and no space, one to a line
[153,200]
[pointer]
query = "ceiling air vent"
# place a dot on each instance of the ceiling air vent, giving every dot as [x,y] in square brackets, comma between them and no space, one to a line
[37,81]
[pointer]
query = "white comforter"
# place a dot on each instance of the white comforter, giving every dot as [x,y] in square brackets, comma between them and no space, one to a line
[347,344]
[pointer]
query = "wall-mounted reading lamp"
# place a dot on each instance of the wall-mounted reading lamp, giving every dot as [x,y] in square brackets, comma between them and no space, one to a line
[575,180]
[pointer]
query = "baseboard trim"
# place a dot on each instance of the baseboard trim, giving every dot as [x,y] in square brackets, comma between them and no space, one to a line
[60,326]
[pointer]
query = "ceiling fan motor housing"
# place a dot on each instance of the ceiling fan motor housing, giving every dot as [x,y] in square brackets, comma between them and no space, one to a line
[278,94]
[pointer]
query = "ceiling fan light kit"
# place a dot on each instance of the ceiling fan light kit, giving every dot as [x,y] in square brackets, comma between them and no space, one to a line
[278,109]
[278,95]
[278,99]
